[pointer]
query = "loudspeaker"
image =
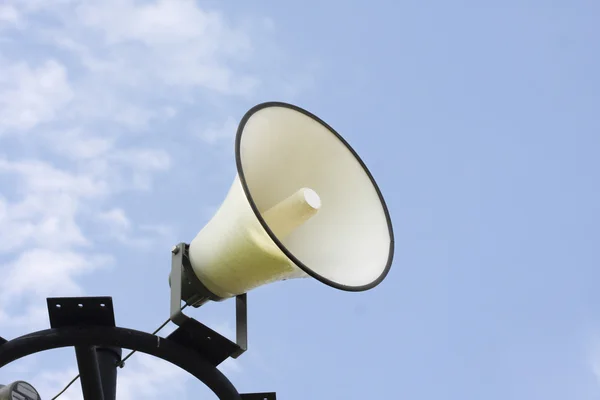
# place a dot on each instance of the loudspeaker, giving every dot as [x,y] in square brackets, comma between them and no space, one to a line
[302,205]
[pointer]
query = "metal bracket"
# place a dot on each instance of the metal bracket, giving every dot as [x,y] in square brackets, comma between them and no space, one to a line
[185,286]
[241,323]
[97,365]
[80,311]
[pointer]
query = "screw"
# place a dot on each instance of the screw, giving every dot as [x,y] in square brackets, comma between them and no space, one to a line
[175,249]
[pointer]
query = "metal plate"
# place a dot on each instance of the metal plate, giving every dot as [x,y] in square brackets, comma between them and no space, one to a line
[210,344]
[259,396]
[80,311]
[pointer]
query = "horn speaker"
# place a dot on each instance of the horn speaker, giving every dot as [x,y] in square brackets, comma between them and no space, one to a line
[303,204]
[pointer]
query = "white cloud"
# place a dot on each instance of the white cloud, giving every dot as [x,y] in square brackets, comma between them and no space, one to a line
[106,68]
[78,144]
[32,95]
[231,365]
[175,42]
[120,228]
[144,377]
[39,273]
[8,14]
[45,214]
[48,384]
[89,101]
[142,159]
[50,272]
[116,219]
[216,133]
[150,378]
[595,358]
[43,178]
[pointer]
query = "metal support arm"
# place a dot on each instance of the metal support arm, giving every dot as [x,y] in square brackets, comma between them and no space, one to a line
[185,286]
[89,373]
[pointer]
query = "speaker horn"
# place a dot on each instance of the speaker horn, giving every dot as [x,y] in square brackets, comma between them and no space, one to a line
[303,204]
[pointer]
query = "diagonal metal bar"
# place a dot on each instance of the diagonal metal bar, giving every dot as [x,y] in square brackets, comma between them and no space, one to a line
[89,372]
[259,396]
[108,358]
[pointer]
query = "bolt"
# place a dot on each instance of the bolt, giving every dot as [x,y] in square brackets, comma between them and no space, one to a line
[175,249]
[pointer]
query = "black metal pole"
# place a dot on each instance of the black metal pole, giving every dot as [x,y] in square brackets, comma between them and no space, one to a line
[89,373]
[108,358]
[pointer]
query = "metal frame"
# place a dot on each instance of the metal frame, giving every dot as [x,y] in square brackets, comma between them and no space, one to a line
[87,323]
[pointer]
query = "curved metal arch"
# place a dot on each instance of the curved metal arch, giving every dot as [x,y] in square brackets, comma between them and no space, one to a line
[143,342]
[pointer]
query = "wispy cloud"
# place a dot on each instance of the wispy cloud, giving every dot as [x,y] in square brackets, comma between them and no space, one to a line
[145,377]
[595,358]
[31,95]
[220,132]
[102,71]
[87,91]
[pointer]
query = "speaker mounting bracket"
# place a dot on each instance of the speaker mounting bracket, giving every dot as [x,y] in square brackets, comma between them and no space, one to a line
[185,286]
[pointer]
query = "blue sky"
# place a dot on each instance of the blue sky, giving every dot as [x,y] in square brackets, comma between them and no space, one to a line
[479,121]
